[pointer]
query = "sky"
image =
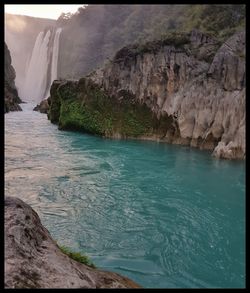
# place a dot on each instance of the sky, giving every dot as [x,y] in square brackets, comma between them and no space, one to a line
[43,11]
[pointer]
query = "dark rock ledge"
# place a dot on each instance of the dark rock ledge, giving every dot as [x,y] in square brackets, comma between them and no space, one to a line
[34,260]
[43,107]
[11,98]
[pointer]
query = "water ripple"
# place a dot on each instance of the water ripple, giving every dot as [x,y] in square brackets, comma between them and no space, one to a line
[165,216]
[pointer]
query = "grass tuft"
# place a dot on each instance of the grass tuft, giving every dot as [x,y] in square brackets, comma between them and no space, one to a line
[77,256]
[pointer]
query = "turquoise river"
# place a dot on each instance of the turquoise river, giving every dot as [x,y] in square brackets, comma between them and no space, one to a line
[165,216]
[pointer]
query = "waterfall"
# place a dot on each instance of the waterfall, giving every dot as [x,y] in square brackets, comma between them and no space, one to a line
[54,60]
[42,67]
[55,55]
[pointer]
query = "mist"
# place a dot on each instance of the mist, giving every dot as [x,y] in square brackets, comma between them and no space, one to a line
[20,36]
[92,36]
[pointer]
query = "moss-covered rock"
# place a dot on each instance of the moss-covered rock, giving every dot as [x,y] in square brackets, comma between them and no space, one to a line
[54,103]
[84,106]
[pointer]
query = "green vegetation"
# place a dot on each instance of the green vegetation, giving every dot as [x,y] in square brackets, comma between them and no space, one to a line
[84,106]
[220,21]
[173,38]
[88,43]
[93,111]
[74,116]
[77,256]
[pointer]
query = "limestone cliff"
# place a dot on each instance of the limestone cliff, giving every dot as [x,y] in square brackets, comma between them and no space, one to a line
[193,86]
[204,94]
[34,260]
[11,99]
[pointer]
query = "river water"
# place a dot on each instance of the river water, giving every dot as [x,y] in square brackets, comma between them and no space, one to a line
[165,216]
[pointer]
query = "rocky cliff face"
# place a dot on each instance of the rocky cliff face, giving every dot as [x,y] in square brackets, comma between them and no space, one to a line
[201,86]
[11,99]
[34,260]
[190,88]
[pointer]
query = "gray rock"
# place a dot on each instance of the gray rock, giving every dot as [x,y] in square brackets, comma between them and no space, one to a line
[43,107]
[33,259]
[200,85]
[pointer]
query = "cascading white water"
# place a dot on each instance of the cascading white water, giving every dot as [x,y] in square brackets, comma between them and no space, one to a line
[36,79]
[26,91]
[54,59]
[55,55]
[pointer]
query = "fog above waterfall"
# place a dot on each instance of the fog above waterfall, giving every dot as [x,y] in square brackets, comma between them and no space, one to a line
[42,67]
[20,35]
[93,35]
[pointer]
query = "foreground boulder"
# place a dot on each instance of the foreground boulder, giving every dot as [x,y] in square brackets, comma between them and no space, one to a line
[34,260]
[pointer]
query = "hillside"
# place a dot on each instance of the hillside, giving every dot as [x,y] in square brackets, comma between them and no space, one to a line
[95,33]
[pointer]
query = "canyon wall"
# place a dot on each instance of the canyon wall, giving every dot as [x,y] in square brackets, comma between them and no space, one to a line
[95,33]
[201,86]
[184,89]
[11,98]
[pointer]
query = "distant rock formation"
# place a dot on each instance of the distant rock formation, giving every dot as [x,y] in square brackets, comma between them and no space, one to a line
[11,98]
[34,260]
[43,107]
[193,87]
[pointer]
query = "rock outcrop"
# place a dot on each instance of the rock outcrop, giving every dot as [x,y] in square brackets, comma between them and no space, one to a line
[34,260]
[11,98]
[43,107]
[194,86]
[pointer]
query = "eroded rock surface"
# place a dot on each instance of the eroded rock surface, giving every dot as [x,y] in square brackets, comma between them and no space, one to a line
[199,84]
[43,107]
[193,86]
[11,98]
[33,259]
